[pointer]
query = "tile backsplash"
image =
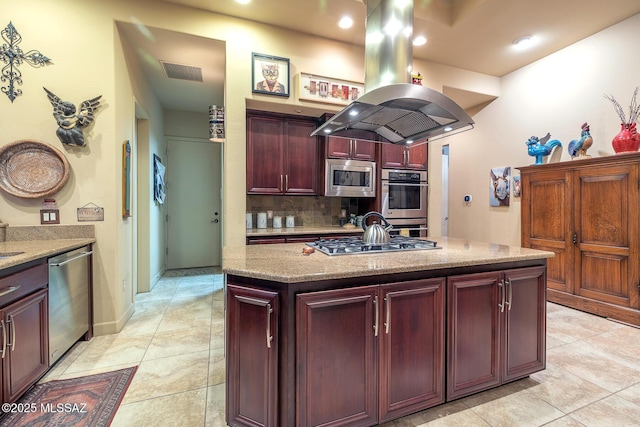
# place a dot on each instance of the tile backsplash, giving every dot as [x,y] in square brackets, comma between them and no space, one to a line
[310,211]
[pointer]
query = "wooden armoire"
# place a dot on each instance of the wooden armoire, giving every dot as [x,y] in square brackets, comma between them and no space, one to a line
[586,212]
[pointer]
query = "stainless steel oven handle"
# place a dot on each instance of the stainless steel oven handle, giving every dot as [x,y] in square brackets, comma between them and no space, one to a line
[60,264]
[404,184]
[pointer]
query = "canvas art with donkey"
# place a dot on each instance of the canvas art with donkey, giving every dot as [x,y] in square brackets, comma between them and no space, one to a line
[500,189]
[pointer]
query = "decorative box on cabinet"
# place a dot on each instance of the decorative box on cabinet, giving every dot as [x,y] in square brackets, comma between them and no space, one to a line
[586,212]
[282,157]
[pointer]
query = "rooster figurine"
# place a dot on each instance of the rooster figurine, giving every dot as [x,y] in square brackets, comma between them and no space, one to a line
[578,147]
[539,148]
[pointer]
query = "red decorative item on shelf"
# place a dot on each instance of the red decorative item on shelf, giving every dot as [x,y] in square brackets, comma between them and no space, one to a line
[627,140]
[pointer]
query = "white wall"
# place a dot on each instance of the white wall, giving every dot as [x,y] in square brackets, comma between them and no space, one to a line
[556,94]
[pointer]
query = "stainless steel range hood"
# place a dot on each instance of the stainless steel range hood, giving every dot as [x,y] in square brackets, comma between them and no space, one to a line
[392,109]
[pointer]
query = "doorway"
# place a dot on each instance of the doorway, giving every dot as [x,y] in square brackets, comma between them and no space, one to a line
[194,203]
[445,191]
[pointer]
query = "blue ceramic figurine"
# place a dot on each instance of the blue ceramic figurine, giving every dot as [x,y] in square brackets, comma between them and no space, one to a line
[539,148]
[578,147]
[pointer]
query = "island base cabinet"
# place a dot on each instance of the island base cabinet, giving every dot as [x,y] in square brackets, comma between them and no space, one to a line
[370,354]
[337,358]
[497,326]
[25,347]
[252,357]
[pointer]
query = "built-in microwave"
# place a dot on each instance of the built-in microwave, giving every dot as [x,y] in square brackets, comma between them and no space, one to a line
[350,178]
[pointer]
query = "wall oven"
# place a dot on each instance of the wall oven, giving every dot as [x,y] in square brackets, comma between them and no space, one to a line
[403,194]
[350,178]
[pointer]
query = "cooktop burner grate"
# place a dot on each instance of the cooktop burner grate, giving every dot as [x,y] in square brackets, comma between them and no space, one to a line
[355,245]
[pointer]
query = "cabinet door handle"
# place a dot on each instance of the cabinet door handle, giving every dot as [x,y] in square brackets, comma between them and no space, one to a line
[510,287]
[575,239]
[502,295]
[375,325]
[280,188]
[269,337]
[12,334]
[9,290]
[408,154]
[286,181]
[4,337]
[387,323]
[351,148]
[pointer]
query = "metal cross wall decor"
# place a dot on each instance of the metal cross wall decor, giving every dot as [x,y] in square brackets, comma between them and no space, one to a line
[13,56]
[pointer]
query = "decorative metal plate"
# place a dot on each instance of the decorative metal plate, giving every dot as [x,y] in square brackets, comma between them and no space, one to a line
[32,169]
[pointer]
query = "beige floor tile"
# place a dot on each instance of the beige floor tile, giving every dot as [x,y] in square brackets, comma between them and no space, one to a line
[110,350]
[608,412]
[141,325]
[562,389]
[632,394]
[565,421]
[179,410]
[173,343]
[520,408]
[582,360]
[573,325]
[216,366]
[151,306]
[622,345]
[449,414]
[167,376]
[215,406]
[99,370]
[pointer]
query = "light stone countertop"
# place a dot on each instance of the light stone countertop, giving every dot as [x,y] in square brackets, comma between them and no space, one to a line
[285,231]
[35,249]
[285,262]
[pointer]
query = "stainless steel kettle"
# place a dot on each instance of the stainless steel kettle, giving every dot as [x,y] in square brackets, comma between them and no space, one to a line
[375,234]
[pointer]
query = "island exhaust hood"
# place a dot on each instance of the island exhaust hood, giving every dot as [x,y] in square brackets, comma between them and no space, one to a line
[392,109]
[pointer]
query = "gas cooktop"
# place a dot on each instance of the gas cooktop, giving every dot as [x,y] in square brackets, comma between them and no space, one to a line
[355,245]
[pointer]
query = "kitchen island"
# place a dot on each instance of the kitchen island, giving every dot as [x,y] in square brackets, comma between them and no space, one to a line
[362,339]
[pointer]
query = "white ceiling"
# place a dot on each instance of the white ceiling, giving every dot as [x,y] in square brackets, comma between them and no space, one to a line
[474,35]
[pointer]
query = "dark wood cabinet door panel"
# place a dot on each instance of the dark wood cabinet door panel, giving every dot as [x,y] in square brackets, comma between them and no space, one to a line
[336,357]
[27,352]
[411,347]
[417,157]
[300,158]
[473,343]
[525,309]
[265,147]
[338,148]
[393,156]
[252,359]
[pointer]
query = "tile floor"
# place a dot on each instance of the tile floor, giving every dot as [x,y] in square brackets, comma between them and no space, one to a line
[176,338]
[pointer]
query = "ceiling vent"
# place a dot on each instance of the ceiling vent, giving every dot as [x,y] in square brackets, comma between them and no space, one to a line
[182,72]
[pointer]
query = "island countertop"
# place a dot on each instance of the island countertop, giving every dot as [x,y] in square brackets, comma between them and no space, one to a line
[286,263]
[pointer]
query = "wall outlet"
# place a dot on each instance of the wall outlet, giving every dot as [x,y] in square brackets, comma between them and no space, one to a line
[124,285]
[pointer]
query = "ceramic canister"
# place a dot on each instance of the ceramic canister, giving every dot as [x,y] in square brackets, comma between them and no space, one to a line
[291,222]
[262,220]
[277,221]
[249,220]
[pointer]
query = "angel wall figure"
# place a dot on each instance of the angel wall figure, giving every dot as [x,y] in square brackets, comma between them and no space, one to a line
[71,122]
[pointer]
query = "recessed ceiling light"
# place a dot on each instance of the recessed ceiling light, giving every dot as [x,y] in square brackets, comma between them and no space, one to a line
[524,42]
[419,41]
[345,22]
[243,1]
[448,129]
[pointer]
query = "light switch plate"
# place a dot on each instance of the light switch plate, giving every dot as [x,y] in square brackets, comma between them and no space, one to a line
[49,216]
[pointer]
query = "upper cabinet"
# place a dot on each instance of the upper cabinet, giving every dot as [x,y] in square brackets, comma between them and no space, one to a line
[401,157]
[355,149]
[282,157]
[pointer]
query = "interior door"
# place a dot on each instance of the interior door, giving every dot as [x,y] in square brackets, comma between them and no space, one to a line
[193,176]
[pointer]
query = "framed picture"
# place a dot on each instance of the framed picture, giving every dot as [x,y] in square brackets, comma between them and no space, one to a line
[328,90]
[126,179]
[158,180]
[499,187]
[270,75]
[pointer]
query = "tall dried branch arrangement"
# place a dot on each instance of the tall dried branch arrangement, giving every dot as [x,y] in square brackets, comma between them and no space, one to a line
[634,108]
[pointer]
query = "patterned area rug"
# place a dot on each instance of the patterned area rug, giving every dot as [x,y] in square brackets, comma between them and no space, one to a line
[77,402]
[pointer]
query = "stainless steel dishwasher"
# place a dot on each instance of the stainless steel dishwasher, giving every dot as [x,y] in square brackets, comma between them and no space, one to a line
[69,283]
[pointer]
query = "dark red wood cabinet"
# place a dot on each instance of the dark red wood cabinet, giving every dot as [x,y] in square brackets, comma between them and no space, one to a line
[252,372]
[370,354]
[24,332]
[282,157]
[353,149]
[497,326]
[401,157]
